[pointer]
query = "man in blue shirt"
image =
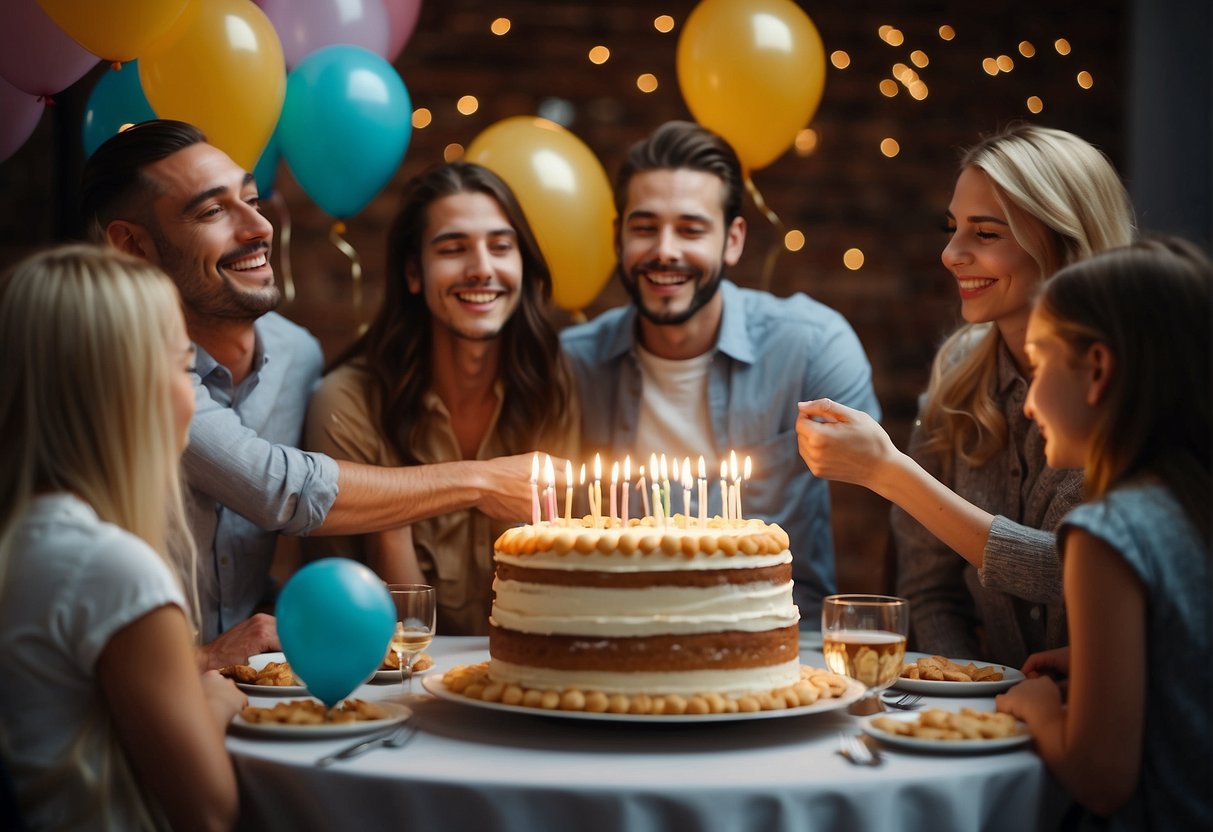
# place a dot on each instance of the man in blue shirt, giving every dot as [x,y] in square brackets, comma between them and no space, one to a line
[160,191]
[698,366]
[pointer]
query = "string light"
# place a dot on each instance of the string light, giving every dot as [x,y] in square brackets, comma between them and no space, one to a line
[599,55]
[422,118]
[919,58]
[852,258]
[1035,105]
[453,152]
[890,148]
[663,23]
[946,32]
[500,26]
[990,66]
[840,59]
[1062,46]
[1085,80]
[888,87]
[1026,49]
[805,141]
[646,82]
[467,104]
[1005,63]
[793,240]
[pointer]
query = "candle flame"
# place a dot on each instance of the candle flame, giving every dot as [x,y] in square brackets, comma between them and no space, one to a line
[597,466]
[549,473]
[724,469]
[748,468]
[665,469]
[733,463]
[686,473]
[614,473]
[583,473]
[627,468]
[568,474]
[653,469]
[535,468]
[703,471]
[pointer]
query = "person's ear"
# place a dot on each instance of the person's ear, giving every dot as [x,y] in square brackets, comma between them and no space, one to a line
[131,238]
[734,241]
[1102,363]
[412,278]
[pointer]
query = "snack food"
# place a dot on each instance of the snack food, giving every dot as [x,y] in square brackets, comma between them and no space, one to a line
[676,609]
[312,712]
[938,724]
[941,669]
[424,661]
[273,674]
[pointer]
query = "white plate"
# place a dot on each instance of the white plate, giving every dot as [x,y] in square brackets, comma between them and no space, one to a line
[261,660]
[945,746]
[396,713]
[436,686]
[1010,678]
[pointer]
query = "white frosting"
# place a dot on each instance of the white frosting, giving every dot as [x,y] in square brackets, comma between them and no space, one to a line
[727,682]
[638,561]
[548,609]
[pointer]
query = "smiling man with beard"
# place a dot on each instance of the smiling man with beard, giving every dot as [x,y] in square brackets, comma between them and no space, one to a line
[698,366]
[159,191]
[459,363]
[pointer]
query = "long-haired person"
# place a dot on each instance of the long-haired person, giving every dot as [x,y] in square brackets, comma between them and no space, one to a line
[460,363]
[975,507]
[105,721]
[1120,351]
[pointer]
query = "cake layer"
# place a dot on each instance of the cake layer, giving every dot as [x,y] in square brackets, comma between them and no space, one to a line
[733,682]
[741,539]
[632,578]
[554,609]
[665,653]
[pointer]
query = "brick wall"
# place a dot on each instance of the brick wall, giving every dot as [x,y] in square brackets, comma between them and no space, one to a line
[844,194]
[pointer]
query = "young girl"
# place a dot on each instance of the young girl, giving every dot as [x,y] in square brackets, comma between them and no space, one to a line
[105,721]
[974,504]
[1120,349]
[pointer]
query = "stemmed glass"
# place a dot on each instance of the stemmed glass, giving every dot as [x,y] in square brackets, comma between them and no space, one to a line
[416,615]
[864,637]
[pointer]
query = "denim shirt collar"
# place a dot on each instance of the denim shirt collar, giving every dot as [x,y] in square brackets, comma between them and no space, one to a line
[734,339]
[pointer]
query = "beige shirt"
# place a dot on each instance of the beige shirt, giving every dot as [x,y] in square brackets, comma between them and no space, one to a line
[455,550]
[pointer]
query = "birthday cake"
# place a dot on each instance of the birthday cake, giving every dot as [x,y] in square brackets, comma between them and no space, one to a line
[649,617]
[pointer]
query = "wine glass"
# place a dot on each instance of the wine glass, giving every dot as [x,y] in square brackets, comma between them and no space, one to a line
[416,614]
[864,637]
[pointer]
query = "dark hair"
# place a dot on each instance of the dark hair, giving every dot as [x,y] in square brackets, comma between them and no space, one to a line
[113,183]
[683,144]
[1150,304]
[396,348]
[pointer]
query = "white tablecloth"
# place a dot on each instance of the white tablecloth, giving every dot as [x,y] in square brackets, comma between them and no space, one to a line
[475,769]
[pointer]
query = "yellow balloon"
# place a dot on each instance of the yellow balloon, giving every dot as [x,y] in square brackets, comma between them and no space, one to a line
[118,30]
[753,72]
[565,195]
[221,69]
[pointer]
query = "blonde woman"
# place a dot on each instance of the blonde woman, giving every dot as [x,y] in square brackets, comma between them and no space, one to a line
[975,507]
[105,722]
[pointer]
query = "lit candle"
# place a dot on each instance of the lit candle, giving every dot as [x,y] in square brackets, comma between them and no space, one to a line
[724,490]
[597,489]
[644,491]
[703,493]
[590,488]
[614,485]
[549,488]
[535,490]
[655,473]
[734,506]
[627,486]
[657,512]
[665,484]
[568,492]
[745,475]
[686,489]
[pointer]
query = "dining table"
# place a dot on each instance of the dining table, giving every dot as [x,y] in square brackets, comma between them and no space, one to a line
[477,768]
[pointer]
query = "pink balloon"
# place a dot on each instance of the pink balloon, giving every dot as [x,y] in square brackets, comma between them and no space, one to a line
[402,20]
[19,114]
[304,26]
[35,54]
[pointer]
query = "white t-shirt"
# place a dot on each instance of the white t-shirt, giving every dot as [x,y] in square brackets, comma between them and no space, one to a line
[674,419]
[73,582]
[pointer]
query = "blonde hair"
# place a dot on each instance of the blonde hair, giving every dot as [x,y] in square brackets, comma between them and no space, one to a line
[1063,201]
[85,409]
[1149,304]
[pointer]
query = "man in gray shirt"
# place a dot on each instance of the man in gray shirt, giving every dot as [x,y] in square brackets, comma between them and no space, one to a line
[160,191]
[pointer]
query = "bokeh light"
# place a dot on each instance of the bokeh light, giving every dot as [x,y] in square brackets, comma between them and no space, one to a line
[599,55]
[919,58]
[453,152]
[888,87]
[852,258]
[1026,49]
[890,147]
[500,26]
[646,82]
[1085,80]
[840,59]
[1035,105]
[422,118]
[805,141]
[1062,46]
[1005,63]
[467,104]
[663,23]
[946,32]
[793,240]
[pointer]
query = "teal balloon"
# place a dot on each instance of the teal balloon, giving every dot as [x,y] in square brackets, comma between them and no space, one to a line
[266,170]
[345,126]
[117,99]
[335,620]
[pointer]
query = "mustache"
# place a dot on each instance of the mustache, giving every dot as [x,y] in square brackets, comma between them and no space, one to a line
[658,266]
[246,251]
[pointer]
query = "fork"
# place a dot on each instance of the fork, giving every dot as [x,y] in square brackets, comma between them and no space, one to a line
[905,702]
[855,749]
[396,737]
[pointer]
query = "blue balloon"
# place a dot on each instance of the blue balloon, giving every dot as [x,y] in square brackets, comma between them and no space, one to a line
[345,125]
[335,620]
[117,99]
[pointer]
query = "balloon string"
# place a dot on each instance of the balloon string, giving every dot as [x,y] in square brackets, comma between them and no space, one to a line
[355,269]
[768,266]
[284,248]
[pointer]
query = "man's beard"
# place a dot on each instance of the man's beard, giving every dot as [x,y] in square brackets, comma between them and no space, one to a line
[703,293]
[203,297]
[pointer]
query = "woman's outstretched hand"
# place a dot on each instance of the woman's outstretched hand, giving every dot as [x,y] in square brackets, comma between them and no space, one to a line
[840,443]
